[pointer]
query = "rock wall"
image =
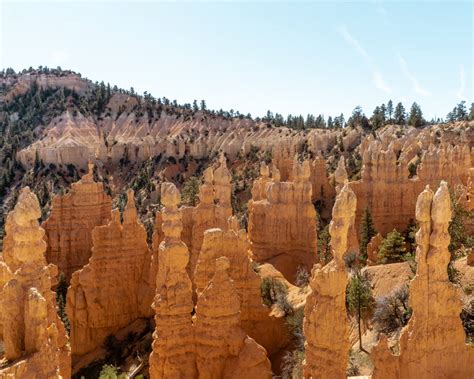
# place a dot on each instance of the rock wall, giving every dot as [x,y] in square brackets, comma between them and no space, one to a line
[106,294]
[383,173]
[436,305]
[70,224]
[174,346]
[35,340]
[223,350]
[234,245]
[326,326]
[282,227]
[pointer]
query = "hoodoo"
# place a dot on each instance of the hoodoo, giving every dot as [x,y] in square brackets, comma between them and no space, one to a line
[35,340]
[434,337]
[326,326]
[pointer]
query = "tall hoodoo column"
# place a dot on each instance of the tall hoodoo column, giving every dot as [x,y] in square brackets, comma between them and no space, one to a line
[432,344]
[223,349]
[30,326]
[234,245]
[326,325]
[173,353]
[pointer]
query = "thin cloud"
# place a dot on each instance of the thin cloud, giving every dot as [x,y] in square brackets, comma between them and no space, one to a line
[351,40]
[378,79]
[460,93]
[416,84]
[380,83]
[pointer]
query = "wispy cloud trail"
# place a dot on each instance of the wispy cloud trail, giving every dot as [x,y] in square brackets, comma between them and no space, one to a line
[416,84]
[377,76]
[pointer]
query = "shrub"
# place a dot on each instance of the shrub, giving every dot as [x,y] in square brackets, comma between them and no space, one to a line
[467,317]
[392,312]
[292,365]
[274,291]
[302,276]
[111,372]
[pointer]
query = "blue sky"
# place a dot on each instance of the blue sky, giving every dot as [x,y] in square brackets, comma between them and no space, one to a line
[289,57]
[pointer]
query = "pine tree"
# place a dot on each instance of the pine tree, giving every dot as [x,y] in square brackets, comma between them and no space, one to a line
[393,248]
[359,300]
[203,105]
[367,231]
[190,192]
[416,116]
[389,110]
[400,114]
[471,112]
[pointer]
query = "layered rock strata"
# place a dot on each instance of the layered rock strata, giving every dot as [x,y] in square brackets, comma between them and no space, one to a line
[35,340]
[70,224]
[385,185]
[223,350]
[234,245]
[111,291]
[282,226]
[433,342]
[174,346]
[326,326]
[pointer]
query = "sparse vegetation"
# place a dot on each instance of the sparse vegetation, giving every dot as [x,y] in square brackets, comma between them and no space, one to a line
[392,312]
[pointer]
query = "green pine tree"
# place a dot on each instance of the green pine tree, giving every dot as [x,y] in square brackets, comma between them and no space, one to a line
[359,300]
[416,116]
[400,115]
[367,231]
[393,248]
[190,192]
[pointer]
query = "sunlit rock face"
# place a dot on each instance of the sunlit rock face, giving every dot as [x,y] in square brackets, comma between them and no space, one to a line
[432,345]
[34,338]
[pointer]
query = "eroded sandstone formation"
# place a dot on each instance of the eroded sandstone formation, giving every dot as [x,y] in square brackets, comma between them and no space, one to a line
[234,245]
[213,210]
[373,249]
[385,172]
[110,292]
[35,340]
[223,350]
[174,347]
[282,226]
[70,224]
[326,326]
[432,345]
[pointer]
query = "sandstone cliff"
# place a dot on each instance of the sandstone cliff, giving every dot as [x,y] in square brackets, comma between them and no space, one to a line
[384,173]
[35,340]
[223,349]
[70,224]
[282,226]
[326,326]
[436,305]
[104,295]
